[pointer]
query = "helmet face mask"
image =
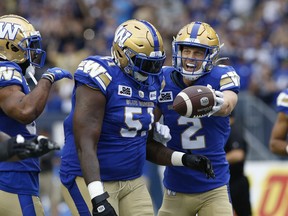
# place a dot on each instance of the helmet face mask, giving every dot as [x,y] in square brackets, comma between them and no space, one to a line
[199,36]
[138,50]
[20,42]
[147,65]
[33,48]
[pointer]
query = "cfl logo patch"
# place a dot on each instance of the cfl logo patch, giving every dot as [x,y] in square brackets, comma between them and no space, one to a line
[124,90]
[165,97]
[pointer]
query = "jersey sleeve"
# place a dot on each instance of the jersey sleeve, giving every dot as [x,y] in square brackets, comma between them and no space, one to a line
[282,102]
[229,80]
[93,73]
[10,74]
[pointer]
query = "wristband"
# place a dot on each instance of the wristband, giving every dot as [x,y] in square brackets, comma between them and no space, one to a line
[48,76]
[95,188]
[176,158]
[286,149]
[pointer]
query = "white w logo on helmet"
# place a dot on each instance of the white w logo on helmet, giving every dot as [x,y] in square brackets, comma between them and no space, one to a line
[121,36]
[9,29]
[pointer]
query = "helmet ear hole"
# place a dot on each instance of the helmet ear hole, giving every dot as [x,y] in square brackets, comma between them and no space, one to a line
[119,54]
[14,48]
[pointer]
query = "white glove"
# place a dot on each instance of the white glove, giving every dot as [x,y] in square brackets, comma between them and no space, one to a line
[219,100]
[161,133]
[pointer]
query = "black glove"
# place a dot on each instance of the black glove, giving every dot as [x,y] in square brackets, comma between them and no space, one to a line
[35,147]
[101,207]
[11,147]
[200,163]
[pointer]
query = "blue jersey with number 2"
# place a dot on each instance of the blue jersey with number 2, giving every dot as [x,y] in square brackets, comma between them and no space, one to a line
[206,136]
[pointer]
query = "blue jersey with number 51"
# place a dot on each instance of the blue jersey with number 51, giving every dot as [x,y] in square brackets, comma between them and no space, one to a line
[128,118]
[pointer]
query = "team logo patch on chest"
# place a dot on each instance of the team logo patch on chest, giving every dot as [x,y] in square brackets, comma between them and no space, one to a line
[165,97]
[141,94]
[124,90]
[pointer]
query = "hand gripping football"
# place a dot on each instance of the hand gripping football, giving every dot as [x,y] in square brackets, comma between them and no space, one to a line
[194,101]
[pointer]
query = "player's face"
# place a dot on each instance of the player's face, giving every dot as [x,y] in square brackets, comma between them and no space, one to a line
[190,55]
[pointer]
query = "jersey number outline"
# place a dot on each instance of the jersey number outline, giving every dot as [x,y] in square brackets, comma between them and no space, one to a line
[135,125]
[186,137]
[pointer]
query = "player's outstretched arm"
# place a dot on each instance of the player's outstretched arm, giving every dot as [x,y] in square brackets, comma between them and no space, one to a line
[55,74]
[25,108]
[199,163]
[159,154]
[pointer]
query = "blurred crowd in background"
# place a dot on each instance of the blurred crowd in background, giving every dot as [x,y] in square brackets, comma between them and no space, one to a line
[254,33]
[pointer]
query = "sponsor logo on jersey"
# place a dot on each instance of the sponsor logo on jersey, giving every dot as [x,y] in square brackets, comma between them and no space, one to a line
[124,90]
[165,97]
[152,95]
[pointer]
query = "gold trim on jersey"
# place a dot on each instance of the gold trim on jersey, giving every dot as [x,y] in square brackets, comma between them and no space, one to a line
[8,73]
[225,81]
[229,79]
[17,75]
[105,79]
[163,84]
[97,89]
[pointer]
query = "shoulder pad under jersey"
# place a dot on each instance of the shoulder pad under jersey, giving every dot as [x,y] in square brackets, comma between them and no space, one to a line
[10,74]
[94,72]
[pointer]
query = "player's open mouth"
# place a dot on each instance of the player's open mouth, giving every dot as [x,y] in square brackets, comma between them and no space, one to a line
[190,66]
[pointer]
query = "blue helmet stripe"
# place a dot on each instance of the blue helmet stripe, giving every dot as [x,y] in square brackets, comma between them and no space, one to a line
[195,29]
[153,32]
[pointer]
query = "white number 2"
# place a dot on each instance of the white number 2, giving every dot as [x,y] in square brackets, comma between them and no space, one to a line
[186,137]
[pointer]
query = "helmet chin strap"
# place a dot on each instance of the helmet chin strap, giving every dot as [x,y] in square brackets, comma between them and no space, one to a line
[139,77]
[194,76]
[30,71]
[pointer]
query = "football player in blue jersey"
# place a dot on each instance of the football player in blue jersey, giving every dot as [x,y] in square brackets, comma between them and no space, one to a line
[278,139]
[188,192]
[17,148]
[20,53]
[106,132]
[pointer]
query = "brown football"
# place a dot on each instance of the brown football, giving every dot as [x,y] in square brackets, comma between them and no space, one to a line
[194,101]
